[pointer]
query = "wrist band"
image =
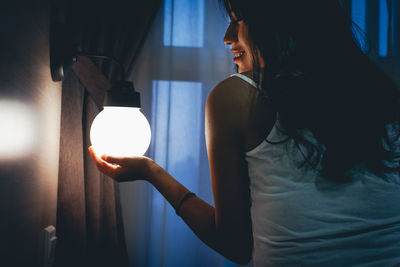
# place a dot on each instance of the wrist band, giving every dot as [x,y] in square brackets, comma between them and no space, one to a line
[185,197]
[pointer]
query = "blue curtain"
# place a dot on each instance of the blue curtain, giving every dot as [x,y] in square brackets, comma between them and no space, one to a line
[378,35]
[181,61]
[178,125]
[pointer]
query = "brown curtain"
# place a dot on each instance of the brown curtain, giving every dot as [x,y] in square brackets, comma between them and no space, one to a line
[89,220]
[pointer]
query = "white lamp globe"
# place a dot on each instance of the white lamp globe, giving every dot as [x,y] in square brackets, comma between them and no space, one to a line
[120,131]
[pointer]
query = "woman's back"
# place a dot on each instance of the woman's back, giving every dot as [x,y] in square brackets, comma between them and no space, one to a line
[301,218]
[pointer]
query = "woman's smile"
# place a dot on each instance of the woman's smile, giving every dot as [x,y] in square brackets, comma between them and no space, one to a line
[238,55]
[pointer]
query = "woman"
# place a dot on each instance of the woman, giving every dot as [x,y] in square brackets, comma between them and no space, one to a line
[303,145]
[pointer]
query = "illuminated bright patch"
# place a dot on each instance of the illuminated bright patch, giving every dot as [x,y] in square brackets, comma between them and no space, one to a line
[18,129]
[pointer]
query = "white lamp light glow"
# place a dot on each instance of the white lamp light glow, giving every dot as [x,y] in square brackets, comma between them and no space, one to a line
[121,129]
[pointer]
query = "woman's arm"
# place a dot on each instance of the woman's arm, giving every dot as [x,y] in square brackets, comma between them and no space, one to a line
[227,227]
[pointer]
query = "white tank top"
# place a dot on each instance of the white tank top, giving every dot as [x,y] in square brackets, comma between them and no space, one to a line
[302,219]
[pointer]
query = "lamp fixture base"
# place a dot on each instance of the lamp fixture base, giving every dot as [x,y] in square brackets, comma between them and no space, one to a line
[122,94]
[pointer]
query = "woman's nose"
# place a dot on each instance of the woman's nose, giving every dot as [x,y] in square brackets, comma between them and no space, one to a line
[230,35]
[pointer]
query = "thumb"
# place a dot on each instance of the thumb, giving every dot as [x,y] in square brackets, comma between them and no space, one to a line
[113,159]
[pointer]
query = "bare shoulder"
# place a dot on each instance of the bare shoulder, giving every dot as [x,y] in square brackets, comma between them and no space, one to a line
[238,107]
[232,99]
[233,90]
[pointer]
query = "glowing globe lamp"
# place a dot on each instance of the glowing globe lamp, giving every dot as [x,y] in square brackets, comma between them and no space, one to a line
[120,129]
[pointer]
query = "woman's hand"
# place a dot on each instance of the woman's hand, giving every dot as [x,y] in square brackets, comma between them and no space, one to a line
[122,169]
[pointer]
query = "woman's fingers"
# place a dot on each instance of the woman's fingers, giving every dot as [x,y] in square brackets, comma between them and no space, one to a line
[122,168]
[95,158]
[112,159]
[110,170]
[103,166]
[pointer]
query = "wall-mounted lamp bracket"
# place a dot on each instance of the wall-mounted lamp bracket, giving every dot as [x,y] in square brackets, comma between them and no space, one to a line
[61,50]
[64,54]
[92,79]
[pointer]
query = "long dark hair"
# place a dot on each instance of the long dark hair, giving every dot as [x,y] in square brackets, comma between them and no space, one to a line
[317,78]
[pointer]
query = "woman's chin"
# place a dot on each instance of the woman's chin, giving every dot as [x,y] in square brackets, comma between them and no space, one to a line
[243,66]
[244,69]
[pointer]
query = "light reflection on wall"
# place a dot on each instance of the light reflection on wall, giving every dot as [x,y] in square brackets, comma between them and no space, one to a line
[18,129]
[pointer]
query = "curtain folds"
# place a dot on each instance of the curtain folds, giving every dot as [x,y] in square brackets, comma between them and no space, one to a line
[182,59]
[380,22]
[90,229]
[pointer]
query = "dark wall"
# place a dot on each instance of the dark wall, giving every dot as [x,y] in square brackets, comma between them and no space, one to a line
[29,132]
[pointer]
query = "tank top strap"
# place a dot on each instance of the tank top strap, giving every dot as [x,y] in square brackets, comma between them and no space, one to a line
[245,78]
